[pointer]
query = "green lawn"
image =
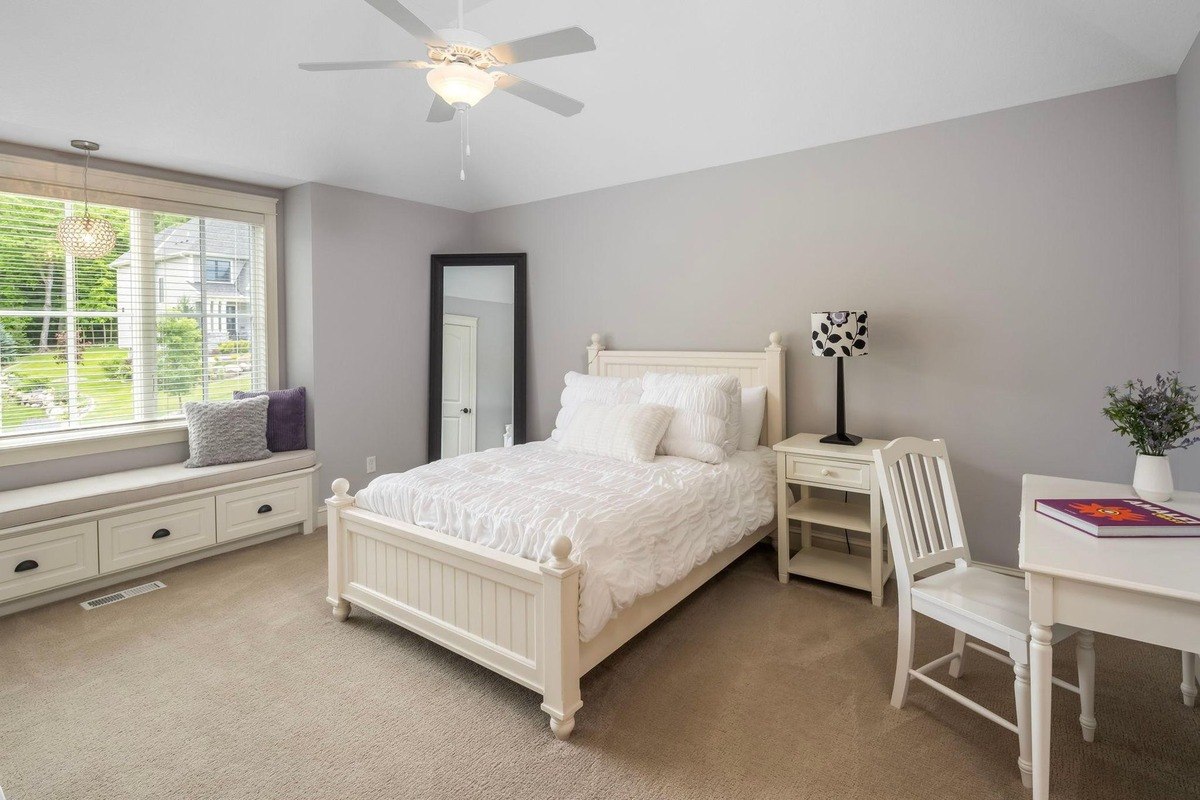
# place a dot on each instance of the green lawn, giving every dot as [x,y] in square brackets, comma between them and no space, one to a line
[113,395]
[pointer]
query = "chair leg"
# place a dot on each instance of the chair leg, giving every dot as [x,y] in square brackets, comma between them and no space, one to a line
[960,646]
[904,654]
[1085,655]
[1024,731]
[1188,686]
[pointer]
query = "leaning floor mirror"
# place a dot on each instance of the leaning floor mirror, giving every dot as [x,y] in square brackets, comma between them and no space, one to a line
[476,353]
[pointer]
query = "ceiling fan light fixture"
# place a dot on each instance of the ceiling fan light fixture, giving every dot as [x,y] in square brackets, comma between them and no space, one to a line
[460,85]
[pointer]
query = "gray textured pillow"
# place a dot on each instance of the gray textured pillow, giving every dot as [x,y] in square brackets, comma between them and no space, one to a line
[227,431]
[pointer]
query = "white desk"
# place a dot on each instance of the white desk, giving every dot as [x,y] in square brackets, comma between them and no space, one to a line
[1143,589]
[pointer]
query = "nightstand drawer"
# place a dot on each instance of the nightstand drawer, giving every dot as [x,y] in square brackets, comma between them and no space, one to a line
[829,472]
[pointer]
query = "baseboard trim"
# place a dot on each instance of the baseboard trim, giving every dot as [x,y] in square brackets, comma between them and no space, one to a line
[321,516]
[830,540]
[104,581]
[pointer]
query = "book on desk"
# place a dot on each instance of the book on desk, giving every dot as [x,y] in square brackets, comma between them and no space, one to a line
[1119,517]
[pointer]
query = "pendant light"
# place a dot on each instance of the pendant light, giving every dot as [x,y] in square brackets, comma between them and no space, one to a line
[86,236]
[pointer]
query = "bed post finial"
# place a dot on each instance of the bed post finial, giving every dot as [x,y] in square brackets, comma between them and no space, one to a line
[594,352]
[776,340]
[341,489]
[560,549]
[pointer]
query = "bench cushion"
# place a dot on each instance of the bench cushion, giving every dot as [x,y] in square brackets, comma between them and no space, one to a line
[53,500]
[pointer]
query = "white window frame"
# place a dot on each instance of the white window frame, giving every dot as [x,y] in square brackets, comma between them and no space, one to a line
[29,176]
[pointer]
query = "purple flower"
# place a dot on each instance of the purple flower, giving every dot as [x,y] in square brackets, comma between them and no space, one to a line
[839,317]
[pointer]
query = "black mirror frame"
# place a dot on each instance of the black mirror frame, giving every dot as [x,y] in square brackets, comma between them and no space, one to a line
[437,264]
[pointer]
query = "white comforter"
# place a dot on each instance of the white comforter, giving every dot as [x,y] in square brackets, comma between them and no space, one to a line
[636,527]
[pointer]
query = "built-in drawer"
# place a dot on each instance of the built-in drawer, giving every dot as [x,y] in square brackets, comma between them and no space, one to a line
[38,561]
[127,540]
[246,512]
[829,472]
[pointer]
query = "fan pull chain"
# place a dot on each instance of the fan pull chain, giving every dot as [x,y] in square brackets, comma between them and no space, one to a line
[462,163]
[467,130]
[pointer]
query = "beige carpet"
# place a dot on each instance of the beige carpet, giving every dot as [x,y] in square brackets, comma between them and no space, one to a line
[235,682]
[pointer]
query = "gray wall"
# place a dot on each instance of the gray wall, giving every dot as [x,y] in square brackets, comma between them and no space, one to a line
[493,366]
[1013,263]
[1187,97]
[358,272]
[63,469]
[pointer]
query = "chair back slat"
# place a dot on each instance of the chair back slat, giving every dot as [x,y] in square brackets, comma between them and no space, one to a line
[921,505]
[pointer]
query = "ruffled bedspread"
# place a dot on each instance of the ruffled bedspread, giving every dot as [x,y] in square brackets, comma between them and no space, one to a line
[636,528]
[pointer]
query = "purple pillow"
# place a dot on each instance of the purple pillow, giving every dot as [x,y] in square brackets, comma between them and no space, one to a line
[285,418]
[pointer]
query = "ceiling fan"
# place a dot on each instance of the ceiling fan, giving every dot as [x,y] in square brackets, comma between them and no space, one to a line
[463,66]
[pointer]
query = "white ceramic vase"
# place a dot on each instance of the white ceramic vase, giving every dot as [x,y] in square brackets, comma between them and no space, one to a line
[1152,478]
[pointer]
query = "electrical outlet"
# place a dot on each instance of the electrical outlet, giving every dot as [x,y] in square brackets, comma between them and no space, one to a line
[370,464]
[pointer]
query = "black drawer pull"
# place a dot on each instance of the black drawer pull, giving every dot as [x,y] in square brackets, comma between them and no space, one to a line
[26,565]
[161,533]
[264,509]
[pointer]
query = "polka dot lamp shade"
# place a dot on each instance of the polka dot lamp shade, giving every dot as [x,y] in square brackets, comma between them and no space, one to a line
[839,333]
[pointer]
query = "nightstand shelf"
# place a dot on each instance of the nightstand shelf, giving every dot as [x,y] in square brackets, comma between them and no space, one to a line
[806,463]
[831,514]
[832,566]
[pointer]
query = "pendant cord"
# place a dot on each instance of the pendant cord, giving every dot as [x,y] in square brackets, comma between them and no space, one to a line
[87,159]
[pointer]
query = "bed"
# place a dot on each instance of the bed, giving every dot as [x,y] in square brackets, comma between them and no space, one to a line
[516,602]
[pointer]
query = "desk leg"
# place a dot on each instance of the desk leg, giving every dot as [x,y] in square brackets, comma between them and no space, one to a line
[1041,659]
[876,549]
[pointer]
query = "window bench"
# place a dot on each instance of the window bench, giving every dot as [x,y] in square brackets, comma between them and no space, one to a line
[62,539]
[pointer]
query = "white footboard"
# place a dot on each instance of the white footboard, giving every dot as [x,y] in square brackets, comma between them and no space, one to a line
[514,616]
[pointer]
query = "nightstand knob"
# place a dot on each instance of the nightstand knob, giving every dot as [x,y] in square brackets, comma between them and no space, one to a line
[826,473]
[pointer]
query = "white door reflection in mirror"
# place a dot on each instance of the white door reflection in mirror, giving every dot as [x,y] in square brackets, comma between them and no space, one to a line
[478,346]
[458,384]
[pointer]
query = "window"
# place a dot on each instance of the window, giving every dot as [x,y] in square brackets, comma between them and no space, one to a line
[133,336]
[217,269]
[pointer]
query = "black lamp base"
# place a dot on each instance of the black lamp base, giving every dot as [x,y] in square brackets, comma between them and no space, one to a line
[841,438]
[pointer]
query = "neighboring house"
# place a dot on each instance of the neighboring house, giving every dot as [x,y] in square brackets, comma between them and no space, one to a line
[212,280]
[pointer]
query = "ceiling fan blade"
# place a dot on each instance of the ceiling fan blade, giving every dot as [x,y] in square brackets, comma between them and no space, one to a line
[539,95]
[440,111]
[544,45]
[325,66]
[408,20]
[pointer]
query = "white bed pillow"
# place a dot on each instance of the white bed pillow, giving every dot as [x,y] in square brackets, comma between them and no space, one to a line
[754,409]
[582,389]
[708,413]
[627,431]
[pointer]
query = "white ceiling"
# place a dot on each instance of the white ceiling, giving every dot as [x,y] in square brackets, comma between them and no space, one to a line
[675,85]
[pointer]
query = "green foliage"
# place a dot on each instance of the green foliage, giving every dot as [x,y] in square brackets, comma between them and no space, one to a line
[8,347]
[180,356]
[1155,417]
[118,368]
[233,347]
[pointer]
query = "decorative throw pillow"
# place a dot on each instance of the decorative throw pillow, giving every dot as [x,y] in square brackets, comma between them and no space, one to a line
[226,431]
[708,413]
[582,389]
[754,409]
[285,418]
[628,431]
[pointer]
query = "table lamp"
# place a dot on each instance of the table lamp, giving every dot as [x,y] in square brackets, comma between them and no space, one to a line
[840,334]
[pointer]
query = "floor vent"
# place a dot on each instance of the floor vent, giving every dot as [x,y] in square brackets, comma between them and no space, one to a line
[124,594]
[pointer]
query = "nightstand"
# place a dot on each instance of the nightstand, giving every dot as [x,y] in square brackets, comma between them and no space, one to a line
[803,461]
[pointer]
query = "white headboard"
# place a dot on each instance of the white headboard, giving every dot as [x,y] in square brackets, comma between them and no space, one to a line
[752,369]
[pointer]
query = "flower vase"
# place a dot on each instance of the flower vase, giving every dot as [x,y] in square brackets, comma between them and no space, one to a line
[1152,478]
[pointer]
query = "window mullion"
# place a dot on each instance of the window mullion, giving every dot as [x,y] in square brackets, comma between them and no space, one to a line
[202,310]
[143,275]
[70,329]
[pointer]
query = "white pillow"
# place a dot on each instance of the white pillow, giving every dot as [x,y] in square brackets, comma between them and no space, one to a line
[582,389]
[628,431]
[754,408]
[708,413]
